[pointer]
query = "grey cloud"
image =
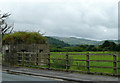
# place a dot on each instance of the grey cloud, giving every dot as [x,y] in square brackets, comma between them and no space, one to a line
[95,20]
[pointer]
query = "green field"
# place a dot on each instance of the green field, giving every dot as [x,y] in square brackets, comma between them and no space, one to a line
[0,56]
[61,55]
[78,64]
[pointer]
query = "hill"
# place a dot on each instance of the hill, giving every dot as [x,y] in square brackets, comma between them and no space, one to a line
[81,41]
[56,42]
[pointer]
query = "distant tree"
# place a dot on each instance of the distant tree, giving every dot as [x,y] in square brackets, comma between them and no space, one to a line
[108,46]
[112,46]
[117,47]
[105,44]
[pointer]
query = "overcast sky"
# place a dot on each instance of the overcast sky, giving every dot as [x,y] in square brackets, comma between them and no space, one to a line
[93,19]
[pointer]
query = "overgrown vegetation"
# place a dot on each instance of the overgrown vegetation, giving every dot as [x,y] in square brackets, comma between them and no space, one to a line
[24,38]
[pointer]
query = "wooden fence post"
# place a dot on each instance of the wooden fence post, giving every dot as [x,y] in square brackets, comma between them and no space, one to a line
[67,62]
[49,61]
[23,54]
[87,61]
[114,64]
[36,59]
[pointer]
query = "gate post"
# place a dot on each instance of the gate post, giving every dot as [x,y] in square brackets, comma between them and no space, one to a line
[114,64]
[87,61]
[49,61]
[67,62]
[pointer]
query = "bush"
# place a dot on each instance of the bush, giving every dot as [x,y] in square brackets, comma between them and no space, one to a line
[24,38]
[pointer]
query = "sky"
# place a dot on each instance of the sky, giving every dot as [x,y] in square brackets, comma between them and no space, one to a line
[91,19]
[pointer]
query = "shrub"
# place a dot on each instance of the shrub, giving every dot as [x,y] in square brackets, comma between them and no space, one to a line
[24,38]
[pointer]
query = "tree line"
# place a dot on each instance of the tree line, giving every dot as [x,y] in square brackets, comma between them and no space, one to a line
[55,44]
[106,46]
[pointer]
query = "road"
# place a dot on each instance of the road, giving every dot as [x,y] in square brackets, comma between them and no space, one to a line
[13,77]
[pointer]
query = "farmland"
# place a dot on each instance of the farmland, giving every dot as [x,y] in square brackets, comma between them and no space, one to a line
[99,56]
[92,62]
[0,56]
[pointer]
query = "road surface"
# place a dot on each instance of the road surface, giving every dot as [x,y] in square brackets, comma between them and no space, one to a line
[13,77]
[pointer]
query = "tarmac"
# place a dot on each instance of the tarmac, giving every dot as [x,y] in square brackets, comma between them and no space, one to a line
[76,77]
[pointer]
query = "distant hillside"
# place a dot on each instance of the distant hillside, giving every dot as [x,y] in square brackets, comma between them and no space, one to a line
[56,42]
[116,41]
[81,41]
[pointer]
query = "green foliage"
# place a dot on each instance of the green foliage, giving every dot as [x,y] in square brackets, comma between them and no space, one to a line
[61,64]
[56,42]
[56,45]
[0,56]
[106,46]
[109,46]
[79,64]
[24,38]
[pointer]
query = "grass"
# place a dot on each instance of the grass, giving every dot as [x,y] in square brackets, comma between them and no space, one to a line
[92,63]
[0,56]
[62,55]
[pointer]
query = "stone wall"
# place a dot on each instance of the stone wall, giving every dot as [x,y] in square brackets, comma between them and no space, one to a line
[23,54]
